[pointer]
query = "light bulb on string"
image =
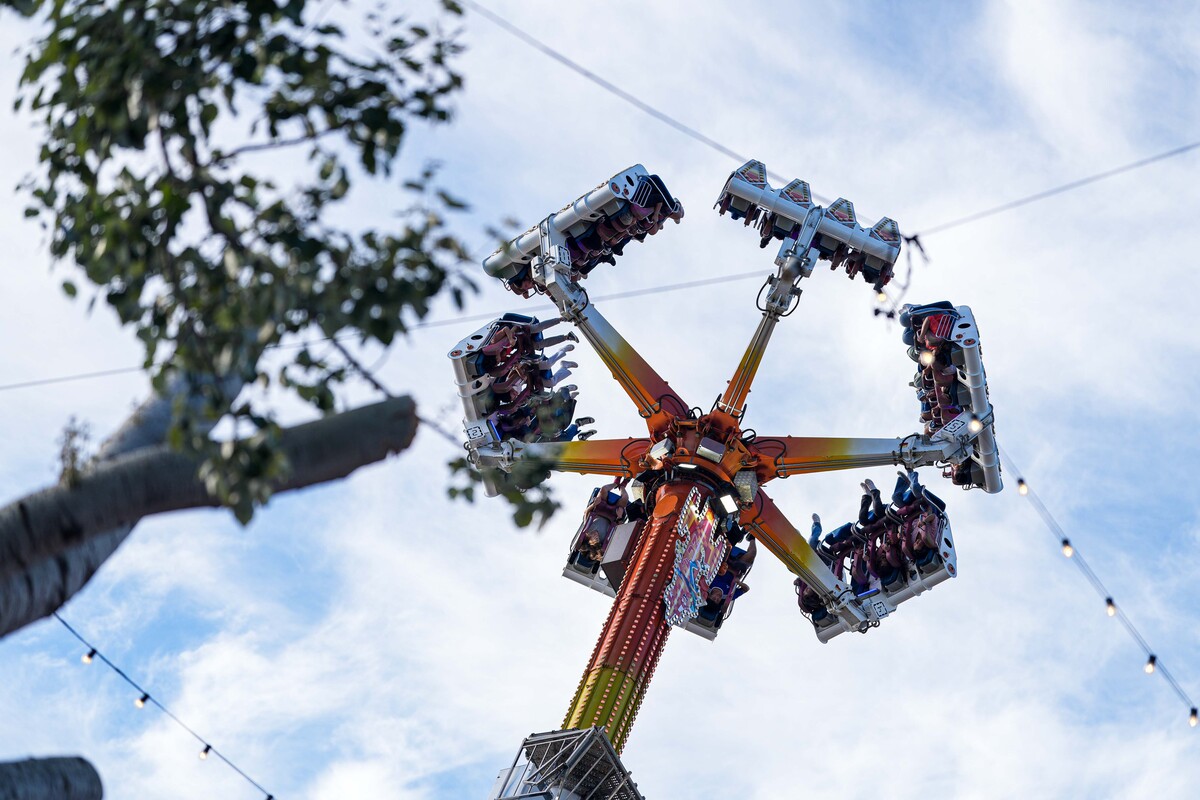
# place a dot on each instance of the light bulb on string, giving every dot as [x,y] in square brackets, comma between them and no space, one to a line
[1068,551]
[881,296]
[1150,664]
[1110,606]
[141,698]
[975,425]
[1022,487]
[1194,718]
[926,358]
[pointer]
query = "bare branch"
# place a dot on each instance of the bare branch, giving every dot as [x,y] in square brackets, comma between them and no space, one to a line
[220,157]
[37,531]
[358,367]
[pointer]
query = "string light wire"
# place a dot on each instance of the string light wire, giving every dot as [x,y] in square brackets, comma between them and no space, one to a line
[663,117]
[913,240]
[437,428]
[524,36]
[436,323]
[145,698]
[81,376]
[1154,663]
[1062,188]
[1070,550]
[527,38]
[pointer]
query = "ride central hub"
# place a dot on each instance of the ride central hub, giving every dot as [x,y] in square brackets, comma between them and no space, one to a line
[664,537]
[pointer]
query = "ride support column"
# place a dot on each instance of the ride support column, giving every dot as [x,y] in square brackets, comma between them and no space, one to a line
[636,630]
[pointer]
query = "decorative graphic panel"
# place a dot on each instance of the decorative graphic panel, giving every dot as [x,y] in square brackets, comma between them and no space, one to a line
[697,555]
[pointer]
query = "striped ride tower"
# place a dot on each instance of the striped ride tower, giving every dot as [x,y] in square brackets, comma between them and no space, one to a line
[636,630]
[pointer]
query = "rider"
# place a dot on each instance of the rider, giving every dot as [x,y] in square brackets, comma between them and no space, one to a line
[871,503]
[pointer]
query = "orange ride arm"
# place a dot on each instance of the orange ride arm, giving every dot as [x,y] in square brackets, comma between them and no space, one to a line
[779,535]
[796,455]
[616,457]
[656,401]
[733,401]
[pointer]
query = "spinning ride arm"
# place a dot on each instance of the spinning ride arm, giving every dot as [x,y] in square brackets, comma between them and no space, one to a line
[777,534]
[808,233]
[796,261]
[656,402]
[616,457]
[553,256]
[733,401]
[785,456]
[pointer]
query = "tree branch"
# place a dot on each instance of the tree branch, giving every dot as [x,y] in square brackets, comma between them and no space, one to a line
[39,531]
[46,584]
[220,157]
[66,778]
[357,366]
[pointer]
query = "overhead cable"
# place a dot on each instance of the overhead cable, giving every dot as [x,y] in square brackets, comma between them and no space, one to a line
[913,240]
[437,323]
[611,88]
[1061,189]
[691,132]
[144,698]
[1071,551]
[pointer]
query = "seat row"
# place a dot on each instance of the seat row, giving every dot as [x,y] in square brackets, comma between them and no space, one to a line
[893,551]
[781,214]
[510,385]
[606,238]
[930,333]
[601,240]
[607,539]
[926,332]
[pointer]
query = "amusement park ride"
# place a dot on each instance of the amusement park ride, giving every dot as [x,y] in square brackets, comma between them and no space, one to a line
[674,533]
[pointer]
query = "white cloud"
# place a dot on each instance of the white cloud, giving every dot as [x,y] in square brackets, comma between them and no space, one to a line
[372,639]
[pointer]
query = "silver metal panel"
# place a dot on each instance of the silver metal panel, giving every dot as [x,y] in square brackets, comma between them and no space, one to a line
[505,261]
[774,201]
[971,374]
[711,449]
[598,582]
[765,198]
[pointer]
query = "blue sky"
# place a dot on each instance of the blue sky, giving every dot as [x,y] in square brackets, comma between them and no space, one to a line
[370,638]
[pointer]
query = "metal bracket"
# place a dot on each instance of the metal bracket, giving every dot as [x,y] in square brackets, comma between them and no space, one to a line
[796,260]
[920,451]
[498,455]
[551,270]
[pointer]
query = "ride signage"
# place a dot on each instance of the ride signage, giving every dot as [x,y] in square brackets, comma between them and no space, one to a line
[697,555]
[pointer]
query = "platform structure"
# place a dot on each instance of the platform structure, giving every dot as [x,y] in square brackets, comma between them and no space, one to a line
[701,472]
[566,765]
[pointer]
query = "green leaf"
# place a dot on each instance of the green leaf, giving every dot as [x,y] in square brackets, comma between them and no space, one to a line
[197,253]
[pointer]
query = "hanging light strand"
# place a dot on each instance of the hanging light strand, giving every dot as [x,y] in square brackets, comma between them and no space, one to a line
[145,698]
[1154,664]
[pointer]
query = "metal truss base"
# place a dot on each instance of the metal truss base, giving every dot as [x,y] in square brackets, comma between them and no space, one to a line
[566,765]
